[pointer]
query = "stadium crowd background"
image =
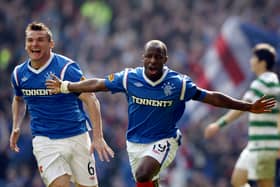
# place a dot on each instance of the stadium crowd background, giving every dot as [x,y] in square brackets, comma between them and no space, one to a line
[107,36]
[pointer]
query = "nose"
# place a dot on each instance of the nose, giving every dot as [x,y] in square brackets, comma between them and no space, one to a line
[34,42]
[153,59]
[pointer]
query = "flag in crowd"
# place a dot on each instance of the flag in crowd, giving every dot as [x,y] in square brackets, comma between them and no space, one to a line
[225,65]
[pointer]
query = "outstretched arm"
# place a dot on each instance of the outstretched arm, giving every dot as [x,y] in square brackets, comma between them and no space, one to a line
[221,100]
[89,85]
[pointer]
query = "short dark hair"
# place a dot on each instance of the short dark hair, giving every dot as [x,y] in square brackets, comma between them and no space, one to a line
[39,26]
[267,53]
[157,43]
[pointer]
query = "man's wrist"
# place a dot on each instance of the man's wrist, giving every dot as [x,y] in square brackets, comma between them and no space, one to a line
[64,87]
[221,122]
[17,129]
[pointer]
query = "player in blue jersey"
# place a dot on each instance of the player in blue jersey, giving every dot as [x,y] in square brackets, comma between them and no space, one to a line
[59,124]
[156,98]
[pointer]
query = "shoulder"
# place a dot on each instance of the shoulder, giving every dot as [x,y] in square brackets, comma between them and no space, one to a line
[21,67]
[178,76]
[65,63]
[138,71]
[268,79]
[63,60]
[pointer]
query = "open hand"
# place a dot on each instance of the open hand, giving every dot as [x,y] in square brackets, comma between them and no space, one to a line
[14,139]
[103,150]
[263,104]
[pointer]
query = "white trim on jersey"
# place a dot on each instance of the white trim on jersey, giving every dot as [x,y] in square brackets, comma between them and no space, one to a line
[62,74]
[165,71]
[88,125]
[183,90]
[15,75]
[125,79]
[37,71]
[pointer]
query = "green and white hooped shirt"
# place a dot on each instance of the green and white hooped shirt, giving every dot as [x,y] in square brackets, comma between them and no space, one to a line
[263,132]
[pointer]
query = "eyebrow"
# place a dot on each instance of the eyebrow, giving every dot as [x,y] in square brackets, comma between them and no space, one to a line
[39,37]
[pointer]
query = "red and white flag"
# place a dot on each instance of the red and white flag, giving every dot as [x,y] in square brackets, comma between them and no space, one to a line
[225,65]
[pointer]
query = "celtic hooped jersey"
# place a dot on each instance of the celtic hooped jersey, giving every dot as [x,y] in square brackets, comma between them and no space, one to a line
[263,131]
[54,116]
[153,107]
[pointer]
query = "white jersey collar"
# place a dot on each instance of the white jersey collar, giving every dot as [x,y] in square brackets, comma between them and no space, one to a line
[165,71]
[37,71]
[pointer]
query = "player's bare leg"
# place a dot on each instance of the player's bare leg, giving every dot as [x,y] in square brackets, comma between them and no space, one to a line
[148,168]
[239,178]
[62,181]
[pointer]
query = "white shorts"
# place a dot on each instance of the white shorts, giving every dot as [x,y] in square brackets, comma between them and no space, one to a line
[56,157]
[164,151]
[259,164]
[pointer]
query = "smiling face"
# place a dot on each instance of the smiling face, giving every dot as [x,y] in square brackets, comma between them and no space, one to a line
[38,45]
[154,58]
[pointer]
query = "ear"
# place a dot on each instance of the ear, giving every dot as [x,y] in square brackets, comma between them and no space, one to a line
[165,60]
[52,43]
[143,56]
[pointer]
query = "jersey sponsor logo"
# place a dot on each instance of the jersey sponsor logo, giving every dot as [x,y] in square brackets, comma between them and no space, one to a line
[36,92]
[152,102]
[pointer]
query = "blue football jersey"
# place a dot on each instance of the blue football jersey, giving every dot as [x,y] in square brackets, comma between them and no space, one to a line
[153,107]
[54,116]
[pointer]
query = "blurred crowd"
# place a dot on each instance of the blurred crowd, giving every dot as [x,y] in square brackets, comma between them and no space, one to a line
[107,36]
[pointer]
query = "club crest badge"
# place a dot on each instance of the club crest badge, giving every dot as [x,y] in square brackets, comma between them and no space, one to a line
[168,88]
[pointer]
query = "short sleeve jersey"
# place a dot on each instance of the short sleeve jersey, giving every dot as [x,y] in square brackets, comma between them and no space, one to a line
[54,116]
[263,131]
[153,107]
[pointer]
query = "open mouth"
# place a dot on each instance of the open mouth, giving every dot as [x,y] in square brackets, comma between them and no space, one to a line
[153,71]
[35,51]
